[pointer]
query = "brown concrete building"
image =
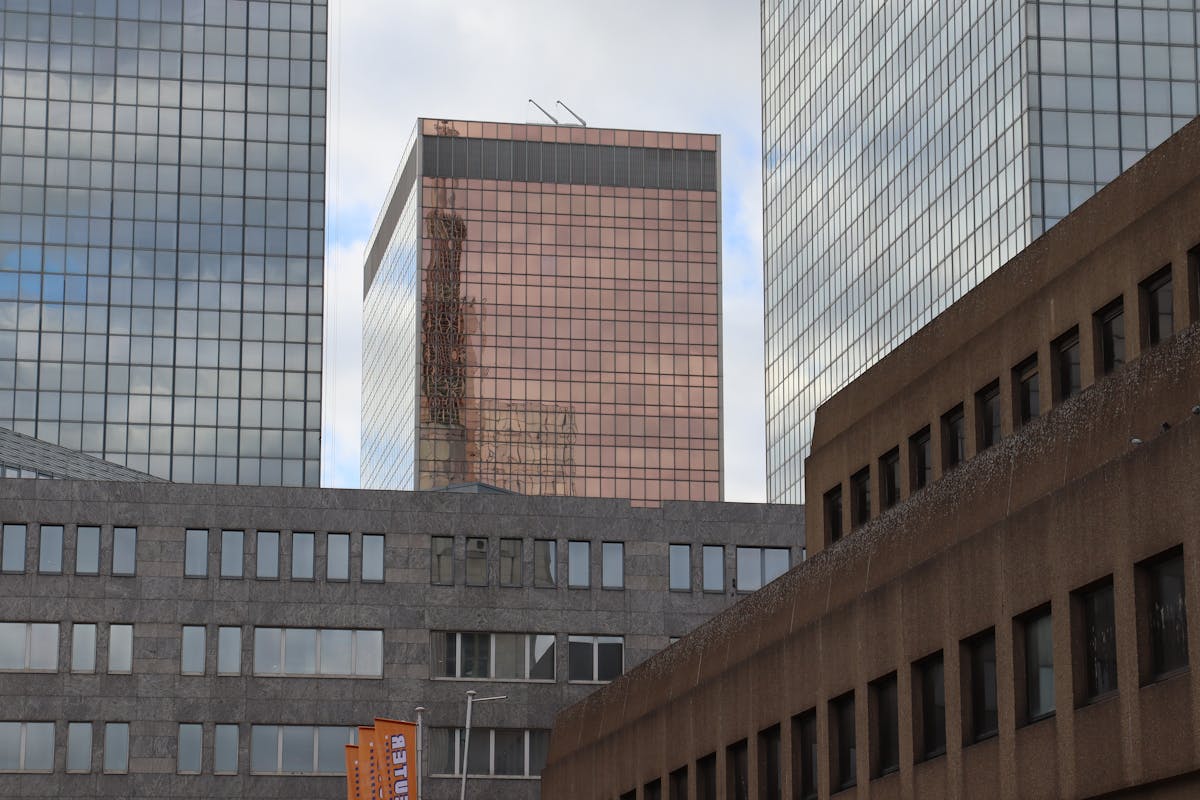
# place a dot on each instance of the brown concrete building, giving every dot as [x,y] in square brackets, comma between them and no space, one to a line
[1004,530]
[541,313]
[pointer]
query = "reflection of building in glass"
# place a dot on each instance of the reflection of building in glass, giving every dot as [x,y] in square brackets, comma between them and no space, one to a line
[567,336]
[911,149]
[161,234]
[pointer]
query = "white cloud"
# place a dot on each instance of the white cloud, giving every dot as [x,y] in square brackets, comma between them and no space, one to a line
[690,65]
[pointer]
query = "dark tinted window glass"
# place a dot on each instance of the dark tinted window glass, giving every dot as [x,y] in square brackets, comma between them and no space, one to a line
[737,771]
[441,563]
[1067,354]
[804,740]
[1039,665]
[889,478]
[833,514]
[933,706]
[770,777]
[954,438]
[1099,641]
[860,497]
[987,408]
[1168,615]
[981,658]
[843,746]
[887,725]
[677,786]
[706,777]
[1111,325]
[1160,316]
[652,790]
[921,458]
[511,562]
[1028,396]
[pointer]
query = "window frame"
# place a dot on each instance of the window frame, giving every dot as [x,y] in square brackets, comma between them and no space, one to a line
[261,536]
[954,438]
[926,747]
[191,535]
[27,653]
[227,550]
[436,560]
[221,649]
[586,546]
[674,549]
[1085,656]
[548,547]
[183,649]
[317,672]
[193,727]
[8,533]
[595,641]
[122,626]
[974,688]
[704,582]
[92,552]
[920,460]
[455,638]
[1148,575]
[111,729]
[1150,291]
[370,558]
[341,541]
[1111,353]
[834,510]
[843,761]
[23,747]
[1030,687]
[67,768]
[889,480]
[607,579]
[1026,374]
[989,420]
[806,755]
[297,562]
[511,566]
[476,554]
[43,549]
[860,499]
[1065,343]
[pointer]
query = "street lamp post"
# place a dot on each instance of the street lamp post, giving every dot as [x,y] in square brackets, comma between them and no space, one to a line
[471,701]
[420,754]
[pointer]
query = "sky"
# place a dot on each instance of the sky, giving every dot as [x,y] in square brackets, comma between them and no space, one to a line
[678,65]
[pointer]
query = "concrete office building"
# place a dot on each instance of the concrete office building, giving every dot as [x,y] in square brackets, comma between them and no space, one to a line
[161,233]
[542,313]
[911,149]
[162,640]
[1005,553]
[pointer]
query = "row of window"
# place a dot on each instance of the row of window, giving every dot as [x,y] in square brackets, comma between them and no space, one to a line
[491,751]
[1162,624]
[525,656]
[50,549]
[33,647]
[1157,324]
[29,747]
[756,566]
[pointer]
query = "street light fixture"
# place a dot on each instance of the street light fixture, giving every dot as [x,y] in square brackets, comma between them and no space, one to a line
[471,701]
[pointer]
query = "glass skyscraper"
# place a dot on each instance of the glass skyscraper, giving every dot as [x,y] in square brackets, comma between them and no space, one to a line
[541,313]
[161,233]
[910,149]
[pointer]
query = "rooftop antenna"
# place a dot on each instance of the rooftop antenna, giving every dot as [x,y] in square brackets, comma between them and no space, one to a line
[544,111]
[572,113]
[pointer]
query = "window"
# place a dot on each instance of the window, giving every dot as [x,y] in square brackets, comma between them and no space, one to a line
[860,497]
[1162,607]
[770,766]
[116,747]
[920,460]
[1158,301]
[83,647]
[833,514]
[12,556]
[311,651]
[124,551]
[299,749]
[714,568]
[79,747]
[930,709]
[87,550]
[1026,391]
[889,479]
[512,557]
[26,746]
[477,561]
[231,553]
[954,438]
[498,656]
[843,750]
[612,565]
[50,550]
[225,750]
[1067,381]
[441,563]
[29,646]
[229,650]
[987,411]
[1110,330]
[190,744]
[120,649]
[680,567]
[652,790]
[372,558]
[1096,640]
[706,777]
[885,714]
[545,563]
[302,556]
[737,771]
[677,785]
[337,557]
[191,651]
[979,659]
[493,751]
[195,553]
[267,566]
[1038,643]
[758,566]
[804,754]
[595,658]
[579,564]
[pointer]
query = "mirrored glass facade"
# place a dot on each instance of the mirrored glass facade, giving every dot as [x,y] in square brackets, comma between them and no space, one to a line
[542,314]
[911,149]
[161,233]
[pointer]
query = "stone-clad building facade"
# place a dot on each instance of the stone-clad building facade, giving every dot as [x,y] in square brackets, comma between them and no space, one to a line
[1005,533]
[167,641]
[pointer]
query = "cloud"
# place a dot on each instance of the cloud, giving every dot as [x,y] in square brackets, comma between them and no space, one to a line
[343,364]
[690,65]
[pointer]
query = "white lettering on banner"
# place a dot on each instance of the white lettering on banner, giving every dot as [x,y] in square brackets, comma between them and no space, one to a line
[399,766]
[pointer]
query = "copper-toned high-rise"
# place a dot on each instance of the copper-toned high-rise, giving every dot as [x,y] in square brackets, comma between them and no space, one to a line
[542,313]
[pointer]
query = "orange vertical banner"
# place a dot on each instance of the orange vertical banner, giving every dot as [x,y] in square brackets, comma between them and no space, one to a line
[353,779]
[398,770]
[367,759]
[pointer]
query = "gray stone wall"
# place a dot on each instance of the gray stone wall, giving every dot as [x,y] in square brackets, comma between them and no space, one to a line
[159,600]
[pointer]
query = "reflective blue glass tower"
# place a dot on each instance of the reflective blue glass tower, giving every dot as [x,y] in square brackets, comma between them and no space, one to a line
[910,149]
[161,233]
